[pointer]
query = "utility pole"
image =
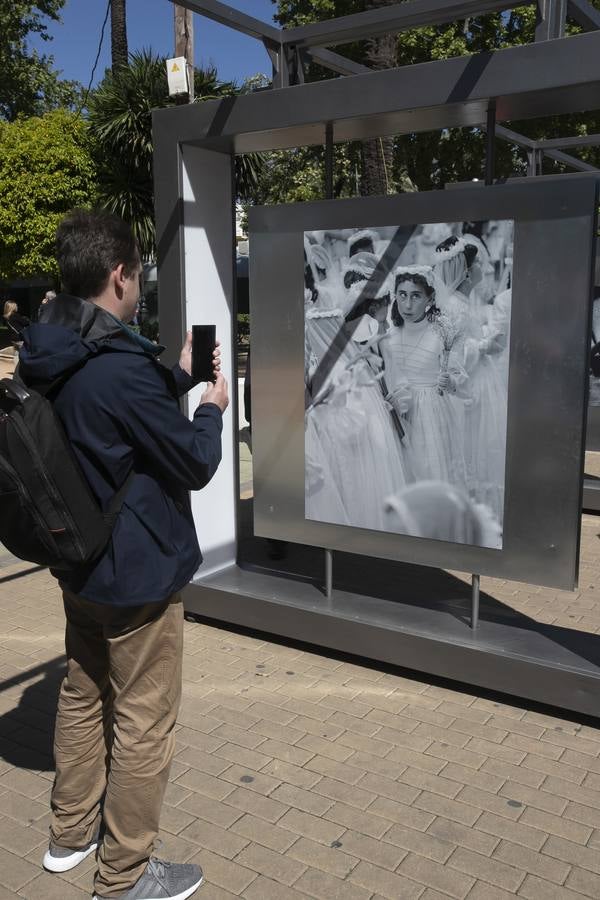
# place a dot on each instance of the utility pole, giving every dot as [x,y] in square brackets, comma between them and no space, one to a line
[184,43]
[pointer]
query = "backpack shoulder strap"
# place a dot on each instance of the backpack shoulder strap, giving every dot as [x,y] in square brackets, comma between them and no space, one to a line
[14,389]
[114,507]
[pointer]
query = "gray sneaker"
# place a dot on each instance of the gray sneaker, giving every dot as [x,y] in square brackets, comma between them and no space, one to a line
[162,880]
[62,859]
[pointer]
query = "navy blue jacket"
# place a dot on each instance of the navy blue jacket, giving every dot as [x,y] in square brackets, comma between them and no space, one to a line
[121,413]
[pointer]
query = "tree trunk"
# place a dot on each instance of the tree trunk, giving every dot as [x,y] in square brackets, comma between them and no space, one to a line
[378,154]
[184,44]
[118,34]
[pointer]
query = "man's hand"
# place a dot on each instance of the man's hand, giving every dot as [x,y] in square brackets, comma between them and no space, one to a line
[217,393]
[185,359]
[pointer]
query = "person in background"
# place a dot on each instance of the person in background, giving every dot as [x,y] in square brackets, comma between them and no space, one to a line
[48,296]
[15,322]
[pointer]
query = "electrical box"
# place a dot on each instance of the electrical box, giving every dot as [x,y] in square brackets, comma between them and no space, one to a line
[177,74]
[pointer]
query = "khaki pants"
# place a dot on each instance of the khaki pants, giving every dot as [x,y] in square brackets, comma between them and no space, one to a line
[114,737]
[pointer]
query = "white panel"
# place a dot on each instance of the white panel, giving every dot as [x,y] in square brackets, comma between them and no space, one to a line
[208,268]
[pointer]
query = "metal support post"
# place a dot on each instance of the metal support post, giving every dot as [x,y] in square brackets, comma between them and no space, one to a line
[301,62]
[328,574]
[273,51]
[534,158]
[490,149]
[551,19]
[329,160]
[475,602]
[329,154]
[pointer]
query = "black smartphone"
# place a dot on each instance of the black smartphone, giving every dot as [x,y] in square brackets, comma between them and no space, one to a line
[203,346]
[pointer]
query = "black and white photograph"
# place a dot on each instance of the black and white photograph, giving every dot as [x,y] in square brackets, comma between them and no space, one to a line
[406,378]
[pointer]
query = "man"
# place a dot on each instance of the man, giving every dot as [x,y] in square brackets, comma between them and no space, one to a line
[48,296]
[118,704]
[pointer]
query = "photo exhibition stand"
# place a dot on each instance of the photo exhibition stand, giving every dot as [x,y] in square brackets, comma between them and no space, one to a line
[398,613]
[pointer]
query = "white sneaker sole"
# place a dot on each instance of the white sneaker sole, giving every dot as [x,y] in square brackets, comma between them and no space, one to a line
[65,863]
[183,896]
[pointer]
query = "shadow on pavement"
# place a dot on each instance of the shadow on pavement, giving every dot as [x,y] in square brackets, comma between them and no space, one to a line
[26,732]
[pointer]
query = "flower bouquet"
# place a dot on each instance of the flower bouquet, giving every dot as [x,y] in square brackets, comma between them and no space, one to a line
[448,327]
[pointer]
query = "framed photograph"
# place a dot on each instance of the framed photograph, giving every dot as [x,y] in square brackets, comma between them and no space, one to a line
[406,375]
[419,372]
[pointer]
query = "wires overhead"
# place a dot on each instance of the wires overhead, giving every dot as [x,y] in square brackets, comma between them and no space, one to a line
[89,87]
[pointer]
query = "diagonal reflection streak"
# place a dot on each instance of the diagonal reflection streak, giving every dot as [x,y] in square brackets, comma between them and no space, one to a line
[385,265]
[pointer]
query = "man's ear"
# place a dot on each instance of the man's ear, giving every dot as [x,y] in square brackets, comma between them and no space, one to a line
[120,278]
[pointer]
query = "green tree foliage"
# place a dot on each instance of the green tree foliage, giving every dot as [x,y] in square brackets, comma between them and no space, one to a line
[45,170]
[120,122]
[430,160]
[29,84]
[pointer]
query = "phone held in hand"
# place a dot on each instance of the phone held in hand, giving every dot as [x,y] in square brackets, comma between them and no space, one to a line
[203,346]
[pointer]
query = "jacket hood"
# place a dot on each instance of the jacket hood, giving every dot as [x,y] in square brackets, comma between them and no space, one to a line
[71,330]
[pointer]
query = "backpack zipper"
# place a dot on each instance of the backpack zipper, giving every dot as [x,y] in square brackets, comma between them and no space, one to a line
[61,506]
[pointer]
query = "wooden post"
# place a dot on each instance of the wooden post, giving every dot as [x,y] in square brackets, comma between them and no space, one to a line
[184,43]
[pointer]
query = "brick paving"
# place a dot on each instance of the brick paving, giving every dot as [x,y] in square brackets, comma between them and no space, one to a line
[299,774]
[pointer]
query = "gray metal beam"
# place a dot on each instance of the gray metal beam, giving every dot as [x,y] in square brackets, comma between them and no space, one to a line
[530,81]
[233,18]
[546,148]
[584,14]
[335,62]
[583,140]
[570,161]
[400,17]
[514,137]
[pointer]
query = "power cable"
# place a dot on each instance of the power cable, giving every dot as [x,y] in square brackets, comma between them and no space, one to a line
[89,87]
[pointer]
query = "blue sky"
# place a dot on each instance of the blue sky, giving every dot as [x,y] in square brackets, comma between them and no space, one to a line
[150,24]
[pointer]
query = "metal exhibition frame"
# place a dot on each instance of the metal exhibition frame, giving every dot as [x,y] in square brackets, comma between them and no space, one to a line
[392,612]
[546,394]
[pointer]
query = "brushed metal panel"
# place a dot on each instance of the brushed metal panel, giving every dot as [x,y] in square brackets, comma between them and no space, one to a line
[554,252]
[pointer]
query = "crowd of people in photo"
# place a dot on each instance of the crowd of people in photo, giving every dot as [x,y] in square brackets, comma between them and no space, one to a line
[406,370]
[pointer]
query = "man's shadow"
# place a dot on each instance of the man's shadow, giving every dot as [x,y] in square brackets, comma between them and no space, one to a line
[27,732]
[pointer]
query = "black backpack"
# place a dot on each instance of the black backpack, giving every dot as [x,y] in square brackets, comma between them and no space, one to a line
[48,514]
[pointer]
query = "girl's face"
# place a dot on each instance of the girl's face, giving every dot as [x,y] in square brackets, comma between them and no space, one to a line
[412,301]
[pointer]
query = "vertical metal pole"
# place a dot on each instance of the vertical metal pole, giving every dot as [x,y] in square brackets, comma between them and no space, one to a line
[550,19]
[329,161]
[490,150]
[475,602]
[328,196]
[535,158]
[328,573]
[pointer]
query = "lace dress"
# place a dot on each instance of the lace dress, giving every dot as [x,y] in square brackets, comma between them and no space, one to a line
[350,434]
[486,360]
[413,358]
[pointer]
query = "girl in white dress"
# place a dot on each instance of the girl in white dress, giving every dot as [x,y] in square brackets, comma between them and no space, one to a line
[425,374]
[463,265]
[350,430]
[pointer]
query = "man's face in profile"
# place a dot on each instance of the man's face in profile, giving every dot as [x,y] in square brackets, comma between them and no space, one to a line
[131,293]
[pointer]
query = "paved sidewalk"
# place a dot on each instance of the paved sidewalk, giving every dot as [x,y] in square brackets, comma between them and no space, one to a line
[300,775]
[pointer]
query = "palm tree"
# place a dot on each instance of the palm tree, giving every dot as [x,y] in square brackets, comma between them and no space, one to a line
[118,33]
[120,121]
